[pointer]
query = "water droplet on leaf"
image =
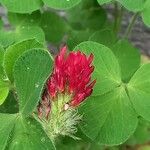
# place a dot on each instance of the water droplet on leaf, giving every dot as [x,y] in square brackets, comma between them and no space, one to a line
[36,85]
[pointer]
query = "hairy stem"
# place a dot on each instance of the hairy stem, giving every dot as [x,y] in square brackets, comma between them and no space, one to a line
[130,26]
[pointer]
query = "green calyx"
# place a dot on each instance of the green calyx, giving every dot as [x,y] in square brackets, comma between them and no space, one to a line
[62,119]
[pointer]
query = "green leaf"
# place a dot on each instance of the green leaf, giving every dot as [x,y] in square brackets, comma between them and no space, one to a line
[1,62]
[63,4]
[21,33]
[139,91]
[91,16]
[19,133]
[128,57]
[101,2]
[106,37]
[26,32]
[22,6]
[128,4]
[87,4]
[67,143]
[31,71]
[109,119]
[7,124]
[10,106]
[146,12]
[4,90]
[29,134]
[13,52]
[131,5]
[93,19]
[1,55]
[24,19]
[141,135]
[6,38]
[107,70]
[76,37]
[54,26]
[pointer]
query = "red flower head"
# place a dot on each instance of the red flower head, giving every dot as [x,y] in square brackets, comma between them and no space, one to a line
[71,76]
[69,84]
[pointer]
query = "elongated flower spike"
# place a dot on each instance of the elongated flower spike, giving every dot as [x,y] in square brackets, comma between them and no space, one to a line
[68,86]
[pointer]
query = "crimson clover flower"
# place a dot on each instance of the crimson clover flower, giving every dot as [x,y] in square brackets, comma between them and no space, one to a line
[72,75]
[69,84]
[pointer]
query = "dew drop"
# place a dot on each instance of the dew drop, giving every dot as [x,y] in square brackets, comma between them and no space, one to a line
[36,85]
[68,0]
[28,68]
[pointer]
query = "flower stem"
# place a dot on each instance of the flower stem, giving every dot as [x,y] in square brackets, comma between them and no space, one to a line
[115,15]
[118,13]
[130,26]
